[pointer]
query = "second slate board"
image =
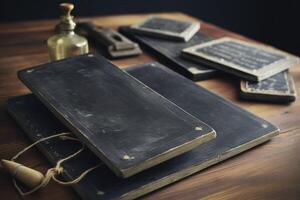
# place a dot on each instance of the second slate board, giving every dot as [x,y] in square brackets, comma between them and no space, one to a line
[279,88]
[170,53]
[125,123]
[239,132]
[167,28]
[246,60]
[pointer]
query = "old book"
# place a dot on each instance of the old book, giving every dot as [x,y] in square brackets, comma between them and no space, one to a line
[170,53]
[246,60]
[166,28]
[238,131]
[125,123]
[279,88]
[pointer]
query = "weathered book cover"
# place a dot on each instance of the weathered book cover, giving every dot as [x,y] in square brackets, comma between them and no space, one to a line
[238,131]
[126,124]
[170,54]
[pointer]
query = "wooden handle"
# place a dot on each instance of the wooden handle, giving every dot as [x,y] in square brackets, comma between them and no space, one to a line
[30,177]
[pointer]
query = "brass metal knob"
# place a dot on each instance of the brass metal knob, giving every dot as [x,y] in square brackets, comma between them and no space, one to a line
[66,9]
[66,19]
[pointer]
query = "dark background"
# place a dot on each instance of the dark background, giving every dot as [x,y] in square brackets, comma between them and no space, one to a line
[273,22]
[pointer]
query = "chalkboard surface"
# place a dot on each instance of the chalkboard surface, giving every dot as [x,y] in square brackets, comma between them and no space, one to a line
[165,25]
[278,88]
[169,29]
[128,125]
[242,55]
[239,132]
[248,61]
[170,53]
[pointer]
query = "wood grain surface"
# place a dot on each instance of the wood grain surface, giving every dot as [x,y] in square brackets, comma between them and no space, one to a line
[270,171]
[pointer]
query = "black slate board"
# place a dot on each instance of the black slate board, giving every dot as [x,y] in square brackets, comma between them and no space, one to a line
[125,123]
[237,129]
[165,28]
[279,88]
[165,24]
[246,60]
[170,52]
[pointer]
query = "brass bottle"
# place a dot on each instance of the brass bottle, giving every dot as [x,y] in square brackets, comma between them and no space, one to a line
[66,43]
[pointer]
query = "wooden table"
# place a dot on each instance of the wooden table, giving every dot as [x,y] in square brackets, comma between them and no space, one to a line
[269,171]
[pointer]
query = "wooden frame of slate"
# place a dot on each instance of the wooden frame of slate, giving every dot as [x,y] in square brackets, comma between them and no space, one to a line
[167,28]
[170,53]
[279,88]
[246,60]
[239,132]
[125,123]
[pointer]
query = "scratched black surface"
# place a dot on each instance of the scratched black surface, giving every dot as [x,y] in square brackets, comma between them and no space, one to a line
[164,24]
[170,52]
[242,55]
[278,82]
[276,89]
[239,128]
[124,122]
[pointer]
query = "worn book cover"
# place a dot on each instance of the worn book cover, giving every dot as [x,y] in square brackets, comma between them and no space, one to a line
[124,122]
[238,131]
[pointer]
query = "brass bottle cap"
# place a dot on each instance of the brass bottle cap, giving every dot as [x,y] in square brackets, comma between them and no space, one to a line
[66,23]
[66,8]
